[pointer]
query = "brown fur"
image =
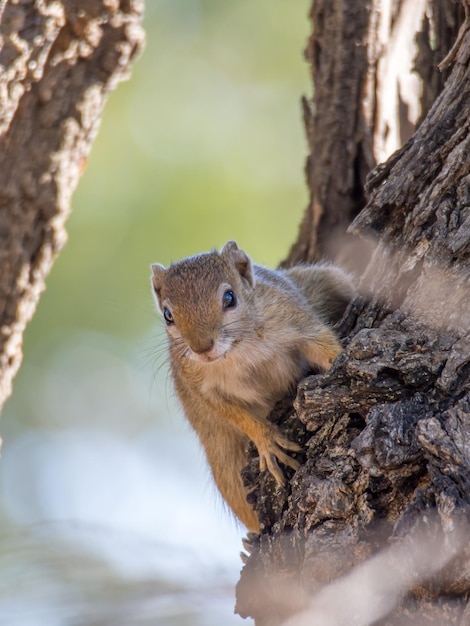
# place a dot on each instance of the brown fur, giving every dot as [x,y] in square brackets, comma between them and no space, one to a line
[231,365]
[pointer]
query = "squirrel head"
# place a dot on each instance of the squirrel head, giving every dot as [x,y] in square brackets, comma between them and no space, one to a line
[205,301]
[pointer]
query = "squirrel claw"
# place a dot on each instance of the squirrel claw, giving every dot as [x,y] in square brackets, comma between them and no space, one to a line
[289,445]
[248,544]
[249,541]
[274,469]
[271,452]
[269,460]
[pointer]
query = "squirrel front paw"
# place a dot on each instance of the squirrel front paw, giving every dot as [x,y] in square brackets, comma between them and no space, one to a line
[270,452]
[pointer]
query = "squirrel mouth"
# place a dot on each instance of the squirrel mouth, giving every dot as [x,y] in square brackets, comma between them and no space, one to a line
[209,358]
[213,355]
[205,357]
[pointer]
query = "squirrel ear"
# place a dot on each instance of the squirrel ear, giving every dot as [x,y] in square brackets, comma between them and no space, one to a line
[158,274]
[240,260]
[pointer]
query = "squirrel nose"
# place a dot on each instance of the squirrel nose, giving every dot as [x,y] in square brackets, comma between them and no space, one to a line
[203,346]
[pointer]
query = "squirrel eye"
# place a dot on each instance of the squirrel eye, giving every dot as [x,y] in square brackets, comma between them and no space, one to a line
[228,299]
[168,316]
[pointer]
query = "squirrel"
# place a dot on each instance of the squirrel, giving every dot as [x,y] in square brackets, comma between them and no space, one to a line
[241,336]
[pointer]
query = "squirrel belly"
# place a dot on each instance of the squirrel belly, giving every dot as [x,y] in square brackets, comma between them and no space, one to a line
[240,337]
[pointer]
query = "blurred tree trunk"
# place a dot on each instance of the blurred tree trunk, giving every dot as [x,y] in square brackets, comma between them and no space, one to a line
[58,62]
[387,430]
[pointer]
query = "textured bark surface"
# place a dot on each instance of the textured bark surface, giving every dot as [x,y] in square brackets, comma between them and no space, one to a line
[375,74]
[387,430]
[340,141]
[58,62]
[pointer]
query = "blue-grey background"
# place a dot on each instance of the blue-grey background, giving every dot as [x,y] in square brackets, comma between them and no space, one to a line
[107,512]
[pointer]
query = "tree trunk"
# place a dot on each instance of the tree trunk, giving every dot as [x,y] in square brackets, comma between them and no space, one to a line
[386,432]
[58,62]
[367,102]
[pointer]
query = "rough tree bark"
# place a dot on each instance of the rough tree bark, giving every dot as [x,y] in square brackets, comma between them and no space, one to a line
[386,432]
[366,104]
[58,62]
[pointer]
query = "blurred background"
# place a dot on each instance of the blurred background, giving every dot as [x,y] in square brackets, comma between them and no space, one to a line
[108,515]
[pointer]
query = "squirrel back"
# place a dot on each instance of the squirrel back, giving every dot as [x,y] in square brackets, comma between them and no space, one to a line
[328,289]
[240,337]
